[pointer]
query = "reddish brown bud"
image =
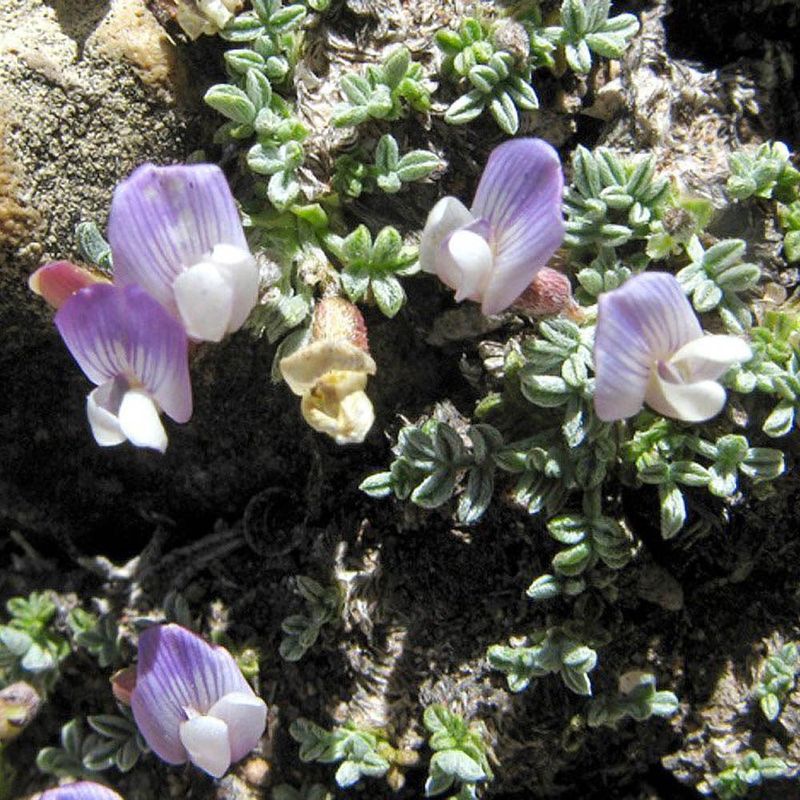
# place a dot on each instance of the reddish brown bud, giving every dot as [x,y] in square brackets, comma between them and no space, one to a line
[549,293]
[123,682]
[57,281]
[337,319]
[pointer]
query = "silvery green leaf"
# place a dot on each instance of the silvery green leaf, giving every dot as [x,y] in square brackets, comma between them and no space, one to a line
[258,88]
[739,278]
[466,108]
[416,165]
[483,78]
[435,490]
[356,89]
[547,391]
[770,706]
[284,19]
[283,189]
[673,509]
[577,682]
[723,255]
[591,280]
[625,25]
[574,560]
[386,248]
[37,659]
[568,529]
[241,60]
[232,103]
[690,473]
[586,173]
[504,112]
[579,658]
[579,57]
[723,483]
[438,782]
[265,159]
[346,115]
[459,765]
[387,154]
[378,485]
[355,283]
[477,495]
[781,419]
[243,28]
[706,296]
[545,587]
[388,293]
[763,463]
[574,18]
[380,102]
[396,66]
[522,93]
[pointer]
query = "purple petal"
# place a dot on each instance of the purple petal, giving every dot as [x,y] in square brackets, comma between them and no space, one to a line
[113,331]
[178,670]
[520,195]
[165,219]
[84,790]
[645,321]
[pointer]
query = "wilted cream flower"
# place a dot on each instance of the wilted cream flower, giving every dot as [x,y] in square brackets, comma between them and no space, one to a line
[197,17]
[330,373]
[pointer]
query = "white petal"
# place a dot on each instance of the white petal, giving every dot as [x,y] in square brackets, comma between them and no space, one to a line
[447,216]
[709,357]
[465,264]
[140,421]
[103,421]
[238,267]
[689,402]
[207,743]
[204,297]
[246,718]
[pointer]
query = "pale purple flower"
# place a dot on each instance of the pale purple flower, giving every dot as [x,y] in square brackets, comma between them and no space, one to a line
[83,790]
[137,356]
[191,701]
[176,232]
[491,252]
[650,348]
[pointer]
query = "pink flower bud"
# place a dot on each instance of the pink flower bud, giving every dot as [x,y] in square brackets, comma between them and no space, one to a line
[57,281]
[549,293]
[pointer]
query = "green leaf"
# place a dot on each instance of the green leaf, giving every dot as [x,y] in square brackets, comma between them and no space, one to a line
[579,57]
[574,18]
[377,485]
[396,66]
[466,108]
[459,765]
[386,250]
[770,706]
[258,89]
[388,293]
[387,154]
[284,19]
[356,89]
[232,103]
[505,112]
[673,510]
[283,189]
[417,164]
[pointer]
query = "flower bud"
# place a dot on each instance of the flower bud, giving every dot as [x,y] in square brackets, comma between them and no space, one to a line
[549,293]
[57,281]
[19,704]
[123,682]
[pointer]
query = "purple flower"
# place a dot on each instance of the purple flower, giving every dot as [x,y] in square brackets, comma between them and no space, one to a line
[491,252]
[649,348]
[192,703]
[84,790]
[136,354]
[176,232]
